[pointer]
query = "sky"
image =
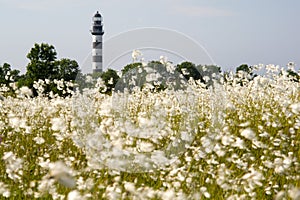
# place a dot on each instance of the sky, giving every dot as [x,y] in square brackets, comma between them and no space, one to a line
[227,33]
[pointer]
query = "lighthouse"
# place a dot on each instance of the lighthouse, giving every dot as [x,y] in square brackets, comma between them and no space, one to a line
[97,33]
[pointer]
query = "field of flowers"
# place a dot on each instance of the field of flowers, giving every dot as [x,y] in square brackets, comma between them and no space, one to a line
[239,139]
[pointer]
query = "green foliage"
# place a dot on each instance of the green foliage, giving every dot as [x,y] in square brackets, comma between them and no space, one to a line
[129,67]
[206,74]
[110,78]
[7,75]
[244,68]
[245,73]
[210,73]
[43,65]
[189,70]
[106,81]
[208,69]
[66,69]
[153,76]
[293,75]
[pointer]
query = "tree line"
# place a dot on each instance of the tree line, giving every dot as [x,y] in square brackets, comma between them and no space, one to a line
[44,65]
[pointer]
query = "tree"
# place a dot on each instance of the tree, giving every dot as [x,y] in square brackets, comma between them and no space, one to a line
[293,75]
[245,74]
[129,67]
[189,70]
[7,75]
[66,69]
[42,63]
[4,70]
[110,78]
[244,68]
[210,74]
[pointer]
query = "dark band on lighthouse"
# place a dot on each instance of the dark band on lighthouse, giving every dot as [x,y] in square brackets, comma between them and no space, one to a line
[97,59]
[97,44]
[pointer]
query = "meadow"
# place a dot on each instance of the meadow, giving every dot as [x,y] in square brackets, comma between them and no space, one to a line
[239,139]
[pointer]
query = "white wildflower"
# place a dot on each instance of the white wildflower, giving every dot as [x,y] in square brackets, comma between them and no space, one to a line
[280,195]
[129,187]
[4,191]
[135,55]
[57,124]
[258,144]
[43,163]
[207,144]
[75,195]
[227,140]
[13,165]
[88,184]
[39,140]
[239,143]
[158,157]
[145,146]
[44,186]
[295,108]
[185,136]
[111,81]
[268,164]
[294,193]
[206,78]
[253,178]
[163,60]
[204,192]
[170,68]
[219,150]
[169,194]
[248,134]
[60,172]
[184,71]
[282,164]
[245,124]
[89,79]
[152,77]
[14,122]
[25,91]
[264,134]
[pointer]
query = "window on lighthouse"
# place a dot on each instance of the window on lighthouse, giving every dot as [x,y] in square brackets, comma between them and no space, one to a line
[97,18]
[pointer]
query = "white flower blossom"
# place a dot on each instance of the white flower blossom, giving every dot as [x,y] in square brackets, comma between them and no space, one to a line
[135,55]
[248,134]
[295,108]
[60,172]
[39,140]
[75,195]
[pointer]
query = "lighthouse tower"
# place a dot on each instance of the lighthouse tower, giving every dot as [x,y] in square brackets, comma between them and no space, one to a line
[97,33]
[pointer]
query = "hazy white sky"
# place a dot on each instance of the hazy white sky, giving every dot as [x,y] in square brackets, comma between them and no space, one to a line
[232,32]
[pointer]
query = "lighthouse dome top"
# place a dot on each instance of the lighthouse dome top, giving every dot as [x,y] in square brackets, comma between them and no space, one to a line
[97,17]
